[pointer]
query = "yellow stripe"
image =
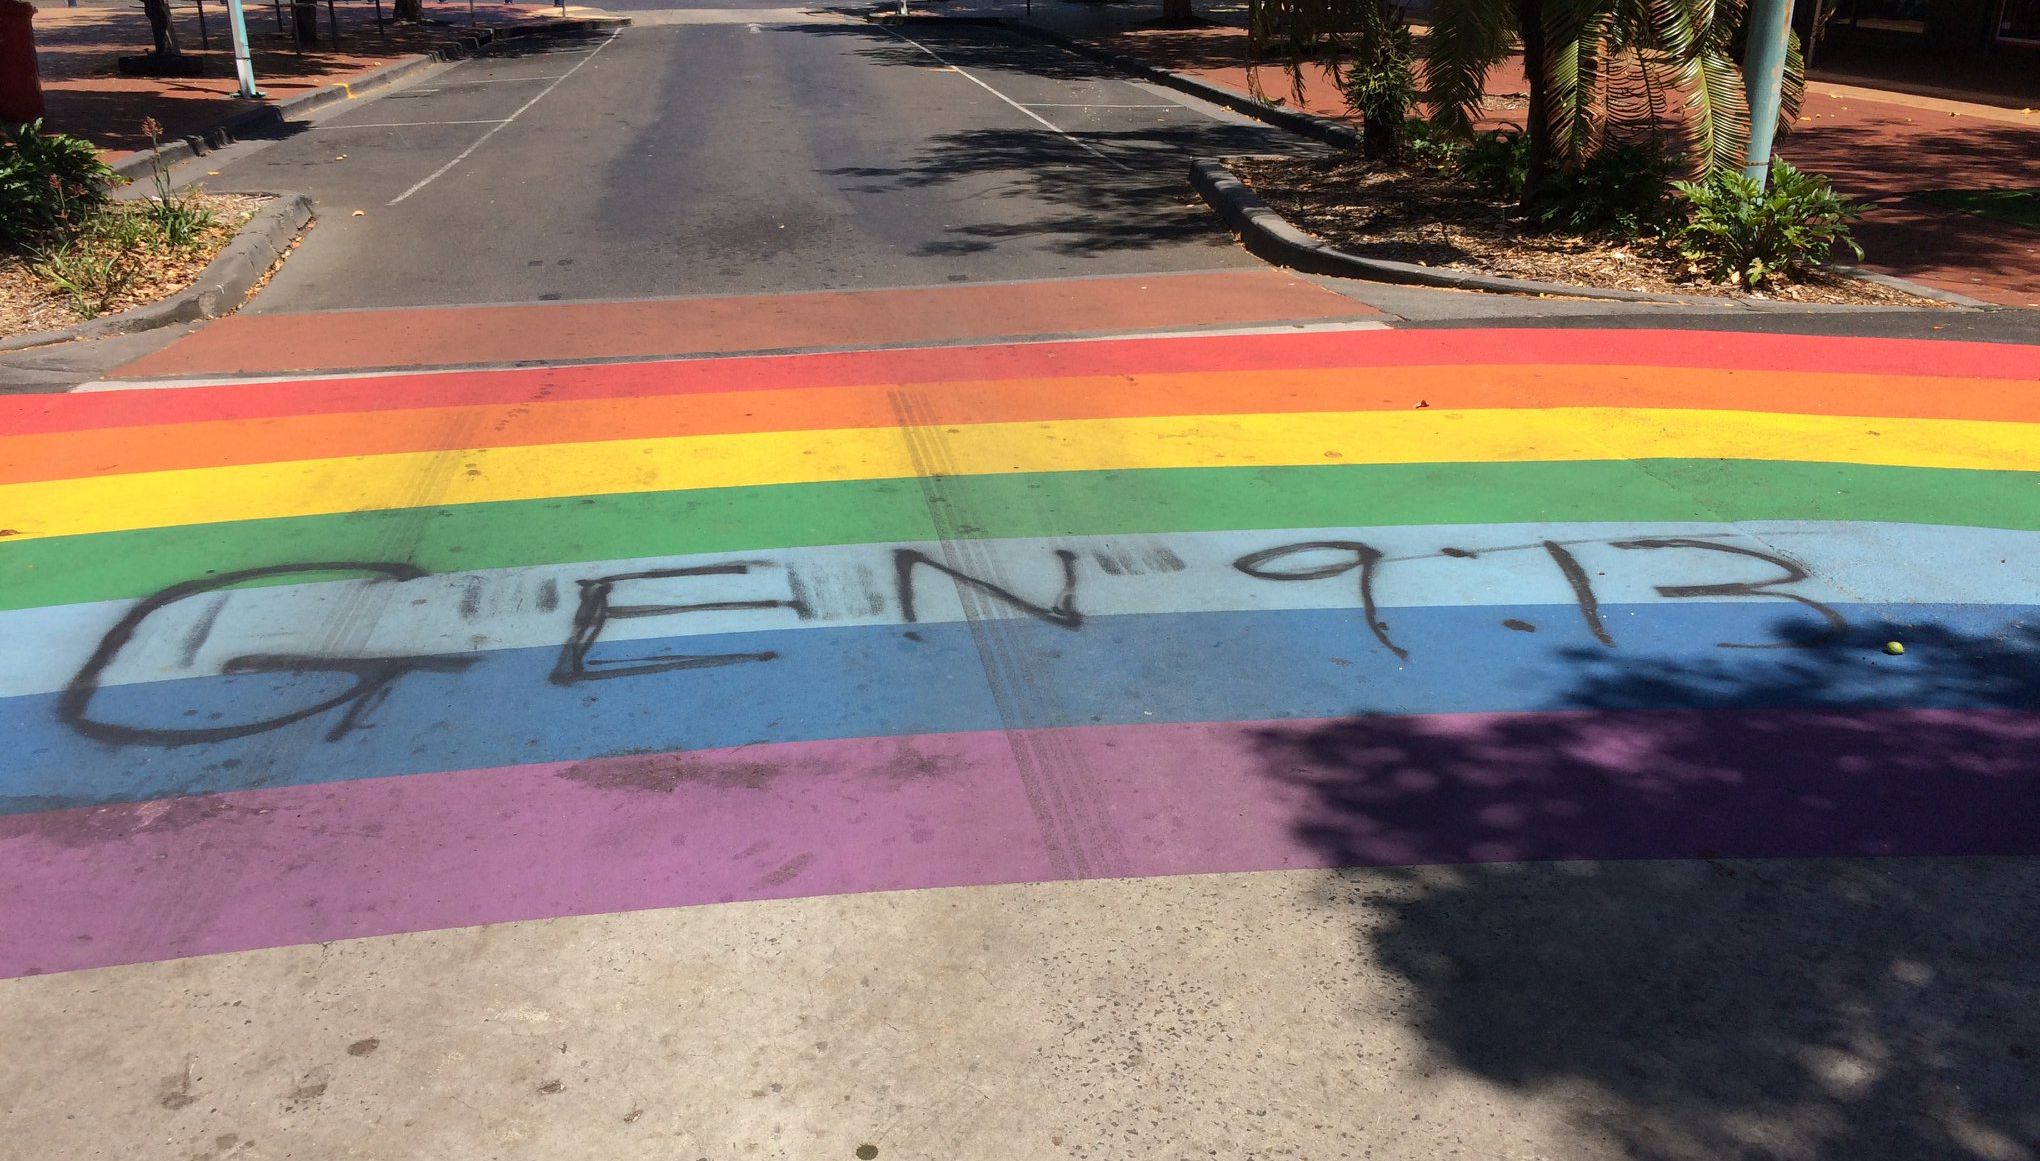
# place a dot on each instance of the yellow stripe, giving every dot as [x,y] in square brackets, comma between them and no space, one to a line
[418,479]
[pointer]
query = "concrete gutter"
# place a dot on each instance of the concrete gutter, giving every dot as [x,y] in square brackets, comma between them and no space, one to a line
[219,288]
[267,116]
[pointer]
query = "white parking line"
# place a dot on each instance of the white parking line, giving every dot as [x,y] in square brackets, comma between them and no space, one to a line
[1087,105]
[498,127]
[412,124]
[1051,126]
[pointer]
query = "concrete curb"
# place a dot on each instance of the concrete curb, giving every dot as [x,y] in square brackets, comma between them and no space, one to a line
[1268,235]
[1259,226]
[1915,288]
[220,287]
[265,116]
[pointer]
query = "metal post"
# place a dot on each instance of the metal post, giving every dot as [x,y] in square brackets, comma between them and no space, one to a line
[332,24]
[204,34]
[244,68]
[1764,75]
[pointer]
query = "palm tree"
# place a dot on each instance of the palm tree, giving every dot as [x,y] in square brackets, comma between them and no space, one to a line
[1662,71]
[1601,70]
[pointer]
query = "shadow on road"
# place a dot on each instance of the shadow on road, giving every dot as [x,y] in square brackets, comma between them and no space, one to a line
[1118,181]
[1685,996]
[1084,202]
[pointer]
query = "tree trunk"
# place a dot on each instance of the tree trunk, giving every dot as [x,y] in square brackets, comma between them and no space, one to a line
[409,11]
[1538,118]
[162,28]
[1178,12]
[305,14]
[1809,20]
[1380,139]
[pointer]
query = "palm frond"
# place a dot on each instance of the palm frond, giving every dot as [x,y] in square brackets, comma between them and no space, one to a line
[1467,38]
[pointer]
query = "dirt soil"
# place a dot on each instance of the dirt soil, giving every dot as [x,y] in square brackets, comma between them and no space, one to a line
[29,302]
[1433,219]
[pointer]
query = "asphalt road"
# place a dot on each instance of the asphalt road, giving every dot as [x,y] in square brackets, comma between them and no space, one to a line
[746,151]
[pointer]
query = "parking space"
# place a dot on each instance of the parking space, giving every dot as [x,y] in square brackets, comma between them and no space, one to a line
[763,151]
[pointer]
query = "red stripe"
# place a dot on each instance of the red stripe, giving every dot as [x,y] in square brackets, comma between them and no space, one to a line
[1767,354]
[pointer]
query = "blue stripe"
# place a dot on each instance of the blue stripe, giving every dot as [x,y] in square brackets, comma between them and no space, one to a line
[882,680]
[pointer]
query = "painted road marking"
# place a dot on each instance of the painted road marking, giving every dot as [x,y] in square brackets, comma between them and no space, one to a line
[410,124]
[463,155]
[859,585]
[481,475]
[955,316]
[979,614]
[1051,126]
[295,865]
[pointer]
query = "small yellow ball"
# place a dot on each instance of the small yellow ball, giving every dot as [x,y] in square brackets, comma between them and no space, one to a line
[1893,648]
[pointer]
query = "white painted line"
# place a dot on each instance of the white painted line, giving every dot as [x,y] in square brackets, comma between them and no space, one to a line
[1045,122]
[1088,105]
[498,128]
[505,80]
[413,124]
[1219,331]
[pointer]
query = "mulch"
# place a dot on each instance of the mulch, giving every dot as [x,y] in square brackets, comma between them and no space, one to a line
[29,302]
[1433,219]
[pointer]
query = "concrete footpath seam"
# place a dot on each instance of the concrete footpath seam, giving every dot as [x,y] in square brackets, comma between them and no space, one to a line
[220,287]
[273,115]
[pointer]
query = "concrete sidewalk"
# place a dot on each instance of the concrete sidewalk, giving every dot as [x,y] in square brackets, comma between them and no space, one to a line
[1881,146]
[79,48]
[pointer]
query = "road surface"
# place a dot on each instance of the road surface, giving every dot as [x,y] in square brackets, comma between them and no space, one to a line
[774,598]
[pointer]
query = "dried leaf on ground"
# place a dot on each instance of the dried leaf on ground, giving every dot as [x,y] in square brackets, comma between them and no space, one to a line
[1432,219]
[29,302]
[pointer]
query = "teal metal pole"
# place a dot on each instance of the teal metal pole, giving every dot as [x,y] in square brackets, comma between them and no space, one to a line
[244,67]
[1764,80]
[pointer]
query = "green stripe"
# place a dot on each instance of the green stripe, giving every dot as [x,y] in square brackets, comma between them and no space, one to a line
[113,565]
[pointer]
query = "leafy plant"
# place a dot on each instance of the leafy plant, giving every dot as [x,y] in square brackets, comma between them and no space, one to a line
[181,219]
[50,183]
[1425,146]
[1497,161]
[1623,190]
[1380,80]
[98,264]
[1601,72]
[1750,236]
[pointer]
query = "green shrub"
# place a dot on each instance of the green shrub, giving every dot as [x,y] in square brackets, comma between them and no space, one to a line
[180,219]
[1750,236]
[1622,190]
[50,184]
[98,263]
[1498,162]
[1425,146]
[1380,82]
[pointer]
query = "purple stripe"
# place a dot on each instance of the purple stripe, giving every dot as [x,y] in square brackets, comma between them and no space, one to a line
[157,880]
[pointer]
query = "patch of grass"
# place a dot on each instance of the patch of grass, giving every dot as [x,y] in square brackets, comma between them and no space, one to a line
[2020,207]
[120,247]
[128,254]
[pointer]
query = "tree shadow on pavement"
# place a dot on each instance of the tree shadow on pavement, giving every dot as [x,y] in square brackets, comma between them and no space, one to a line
[1766,924]
[1132,193]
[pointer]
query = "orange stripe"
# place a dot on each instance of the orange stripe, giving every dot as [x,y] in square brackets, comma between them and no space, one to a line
[118,451]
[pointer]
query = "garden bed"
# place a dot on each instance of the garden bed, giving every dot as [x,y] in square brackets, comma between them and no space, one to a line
[105,270]
[1437,219]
